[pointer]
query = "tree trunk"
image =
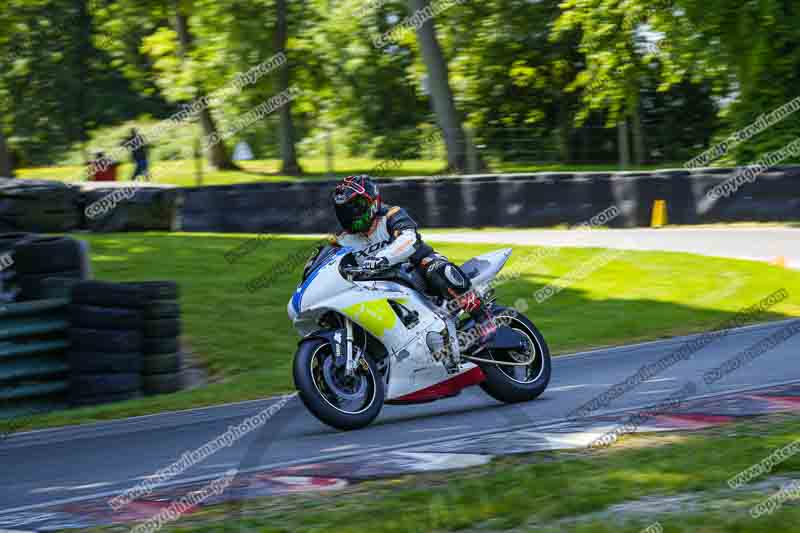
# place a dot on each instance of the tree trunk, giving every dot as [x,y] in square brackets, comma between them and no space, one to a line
[639,154]
[217,153]
[622,143]
[289,164]
[441,95]
[84,53]
[6,168]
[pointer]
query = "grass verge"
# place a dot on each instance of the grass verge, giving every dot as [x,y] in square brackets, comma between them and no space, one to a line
[183,173]
[247,342]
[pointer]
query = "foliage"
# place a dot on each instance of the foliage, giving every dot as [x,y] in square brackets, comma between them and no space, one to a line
[534,81]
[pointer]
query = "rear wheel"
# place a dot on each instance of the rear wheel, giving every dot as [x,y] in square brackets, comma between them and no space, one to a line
[341,401]
[511,384]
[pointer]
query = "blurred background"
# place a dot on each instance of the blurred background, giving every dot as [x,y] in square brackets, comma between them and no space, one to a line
[515,85]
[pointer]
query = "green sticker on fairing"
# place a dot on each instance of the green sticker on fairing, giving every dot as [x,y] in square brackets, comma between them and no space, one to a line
[376,316]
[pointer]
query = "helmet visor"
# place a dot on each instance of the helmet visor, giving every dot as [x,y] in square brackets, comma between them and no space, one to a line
[354,214]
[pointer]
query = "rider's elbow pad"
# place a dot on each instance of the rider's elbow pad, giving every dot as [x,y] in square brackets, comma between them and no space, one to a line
[401,248]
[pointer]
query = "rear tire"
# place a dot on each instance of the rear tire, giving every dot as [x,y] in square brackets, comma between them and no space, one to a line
[505,383]
[309,356]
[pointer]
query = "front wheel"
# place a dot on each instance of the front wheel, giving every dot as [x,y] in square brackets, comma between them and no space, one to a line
[511,384]
[341,401]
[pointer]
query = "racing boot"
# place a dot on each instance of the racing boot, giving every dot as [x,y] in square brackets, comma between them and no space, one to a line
[479,331]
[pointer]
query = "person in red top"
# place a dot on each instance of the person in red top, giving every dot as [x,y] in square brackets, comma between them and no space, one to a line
[108,174]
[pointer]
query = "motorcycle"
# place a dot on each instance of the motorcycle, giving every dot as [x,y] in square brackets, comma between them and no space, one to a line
[371,337]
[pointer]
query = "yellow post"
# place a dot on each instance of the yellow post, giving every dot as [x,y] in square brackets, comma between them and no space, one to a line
[659,217]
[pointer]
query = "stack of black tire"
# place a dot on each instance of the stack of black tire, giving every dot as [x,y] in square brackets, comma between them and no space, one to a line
[105,354]
[38,258]
[161,362]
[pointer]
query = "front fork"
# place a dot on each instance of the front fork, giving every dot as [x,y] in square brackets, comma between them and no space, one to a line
[350,363]
[343,352]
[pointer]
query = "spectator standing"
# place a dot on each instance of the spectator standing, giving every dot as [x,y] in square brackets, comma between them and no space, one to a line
[138,148]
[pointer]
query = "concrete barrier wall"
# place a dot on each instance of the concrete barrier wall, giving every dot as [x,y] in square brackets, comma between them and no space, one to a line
[510,200]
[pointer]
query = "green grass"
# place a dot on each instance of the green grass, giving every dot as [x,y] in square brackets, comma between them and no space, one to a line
[247,341]
[183,172]
[558,492]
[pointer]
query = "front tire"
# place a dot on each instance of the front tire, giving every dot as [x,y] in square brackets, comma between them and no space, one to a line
[340,402]
[513,384]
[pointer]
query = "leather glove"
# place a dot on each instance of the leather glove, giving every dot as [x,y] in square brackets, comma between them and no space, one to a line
[375,263]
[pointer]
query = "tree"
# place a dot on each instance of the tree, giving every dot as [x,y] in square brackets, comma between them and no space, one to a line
[611,80]
[6,169]
[441,95]
[707,43]
[512,79]
[289,164]
[369,95]
[218,156]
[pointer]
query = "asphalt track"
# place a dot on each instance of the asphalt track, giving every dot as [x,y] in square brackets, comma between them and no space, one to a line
[759,244]
[73,464]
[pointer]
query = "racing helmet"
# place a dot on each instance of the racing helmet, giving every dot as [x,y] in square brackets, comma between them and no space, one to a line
[356,201]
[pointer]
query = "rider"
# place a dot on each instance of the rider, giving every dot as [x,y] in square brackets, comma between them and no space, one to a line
[383,235]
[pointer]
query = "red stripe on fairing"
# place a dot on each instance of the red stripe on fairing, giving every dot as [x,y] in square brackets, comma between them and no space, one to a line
[443,389]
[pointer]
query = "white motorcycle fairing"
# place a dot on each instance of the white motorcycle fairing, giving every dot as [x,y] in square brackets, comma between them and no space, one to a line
[413,373]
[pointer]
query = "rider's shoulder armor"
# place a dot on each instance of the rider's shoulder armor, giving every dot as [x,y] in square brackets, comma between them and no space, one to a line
[398,219]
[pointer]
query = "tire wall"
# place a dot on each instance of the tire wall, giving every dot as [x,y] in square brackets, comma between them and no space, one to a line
[145,209]
[518,200]
[38,206]
[531,200]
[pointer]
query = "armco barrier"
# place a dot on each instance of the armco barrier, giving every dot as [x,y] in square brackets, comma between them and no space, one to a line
[33,369]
